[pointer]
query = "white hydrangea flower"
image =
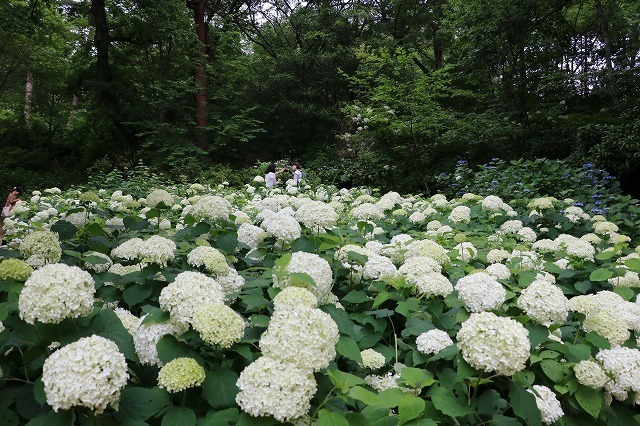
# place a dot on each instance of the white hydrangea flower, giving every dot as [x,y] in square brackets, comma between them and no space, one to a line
[251,235]
[313,265]
[211,208]
[527,235]
[219,325]
[575,246]
[499,271]
[98,266]
[544,303]
[417,217]
[547,403]
[480,292]
[591,374]
[384,382]
[42,247]
[622,364]
[210,258]
[427,248]
[529,260]
[460,214]
[317,215]
[367,211]
[494,344]
[180,374]
[283,226]
[466,251]
[159,196]
[55,292]
[128,250]
[269,387]
[372,359]
[188,293]
[605,228]
[493,203]
[291,297]
[302,337]
[542,203]
[591,238]
[158,250]
[629,279]
[90,372]
[497,255]
[379,268]
[608,324]
[129,321]
[511,226]
[433,341]
[146,336]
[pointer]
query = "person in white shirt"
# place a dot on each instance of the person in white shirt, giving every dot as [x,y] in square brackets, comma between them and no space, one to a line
[270,175]
[297,172]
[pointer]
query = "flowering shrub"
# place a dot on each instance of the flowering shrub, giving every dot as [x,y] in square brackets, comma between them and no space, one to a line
[217,305]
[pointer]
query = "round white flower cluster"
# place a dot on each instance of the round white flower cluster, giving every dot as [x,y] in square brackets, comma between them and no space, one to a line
[159,196]
[433,341]
[499,271]
[415,267]
[90,372]
[317,215]
[575,246]
[511,226]
[432,284]
[544,303]
[290,297]
[372,359]
[251,235]
[493,203]
[384,382]
[303,337]
[605,228]
[129,321]
[367,211]
[547,403]
[219,325]
[211,208]
[480,292]
[417,217]
[529,260]
[270,387]
[77,219]
[494,344]
[460,214]
[527,235]
[146,336]
[15,269]
[428,248]
[590,373]
[542,203]
[156,249]
[379,268]
[629,279]
[55,292]
[622,365]
[210,258]
[180,374]
[188,293]
[313,265]
[608,324]
[40,248]
[282,226]
[545,245]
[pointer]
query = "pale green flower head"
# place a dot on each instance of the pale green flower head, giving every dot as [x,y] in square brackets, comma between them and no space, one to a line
[219,325]
[15,269]
[181,374]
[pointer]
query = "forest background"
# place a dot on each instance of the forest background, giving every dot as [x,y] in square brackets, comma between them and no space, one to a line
[388,93]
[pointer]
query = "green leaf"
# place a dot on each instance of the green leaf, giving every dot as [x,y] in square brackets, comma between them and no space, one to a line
[219,388]
[51,418]
[305,244]
[152,213]
[500,420]
[524,404]
[589,399]
[605,255]
[357,258]
[381,298]
[136,293]
[179,416]
[217,418]
[463,369]
[226,242]
[410,407]
[355,297]
[134,223]
[344,381]
[328,418]
[490,402]
[348,348]
[633,264]
[107,324]
[64,229]
[537,334]
[600,274]
[598,341]
[170,348]
[553,370]
[95,229]
[340,316]
[8,417]
[407,307]
[141,403]
[365,396]
[380,313]
[416,377]
[625,292]
[154,315]
[448,404]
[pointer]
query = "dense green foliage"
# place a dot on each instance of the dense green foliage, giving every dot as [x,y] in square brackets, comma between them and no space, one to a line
[387,93]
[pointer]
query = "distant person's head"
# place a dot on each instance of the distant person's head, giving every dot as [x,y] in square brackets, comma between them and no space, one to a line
[296,166]
[17,190]
[270,169]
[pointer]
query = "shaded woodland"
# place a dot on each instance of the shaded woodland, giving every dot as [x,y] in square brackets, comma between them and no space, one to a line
[378,92]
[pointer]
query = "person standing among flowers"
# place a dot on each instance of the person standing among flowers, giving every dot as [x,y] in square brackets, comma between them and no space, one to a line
[298,174]
[12,199]
[270,175]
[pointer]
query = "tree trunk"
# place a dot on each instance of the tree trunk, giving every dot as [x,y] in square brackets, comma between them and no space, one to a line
[198,7]
[604,32]
[28,96]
